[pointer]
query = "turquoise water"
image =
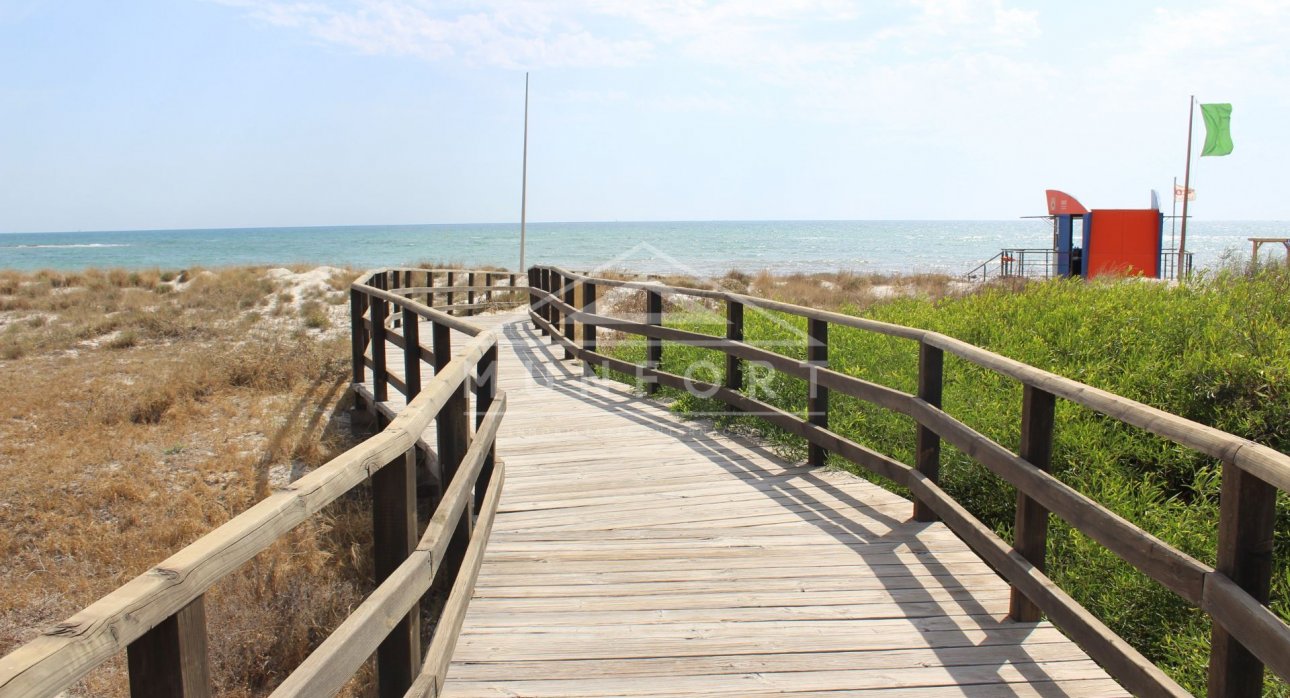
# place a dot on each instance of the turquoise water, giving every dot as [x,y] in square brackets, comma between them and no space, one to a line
[702,248]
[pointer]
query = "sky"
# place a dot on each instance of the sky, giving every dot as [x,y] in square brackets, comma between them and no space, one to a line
[140,114]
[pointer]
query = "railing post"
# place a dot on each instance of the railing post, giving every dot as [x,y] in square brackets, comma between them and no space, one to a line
[171,659]
[544,306]
[470,293]
[588,328]
[394,537]
[1030,534]
[567,291]
[553,288]
[357,335]
[534,287]
[488,288]
[931,362]
[430,285]
[1246,524]
[734,333]
[380,377]
[653,345]
[451,279]
[485,393]
[411,352]
[452,434]
[817,401]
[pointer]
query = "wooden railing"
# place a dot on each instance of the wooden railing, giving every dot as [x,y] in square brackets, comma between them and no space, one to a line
[1246,634]
[444,289]
[158,618]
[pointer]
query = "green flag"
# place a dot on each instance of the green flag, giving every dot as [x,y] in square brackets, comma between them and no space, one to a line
[1218,129]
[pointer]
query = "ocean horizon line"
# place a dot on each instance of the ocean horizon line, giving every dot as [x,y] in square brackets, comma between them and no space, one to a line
[516,224]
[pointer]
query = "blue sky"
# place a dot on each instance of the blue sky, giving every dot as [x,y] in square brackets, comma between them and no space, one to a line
[228,113]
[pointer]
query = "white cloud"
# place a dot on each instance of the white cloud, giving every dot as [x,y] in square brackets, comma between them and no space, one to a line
[1226,45]
[824,59]
[507,35]
[594,33]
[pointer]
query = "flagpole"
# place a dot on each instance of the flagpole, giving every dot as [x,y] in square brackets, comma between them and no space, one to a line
[1182,238]
[1173,218]
[524,176]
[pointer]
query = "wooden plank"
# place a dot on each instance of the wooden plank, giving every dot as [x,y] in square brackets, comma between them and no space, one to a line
[999,676]
[662,667]
[835,606]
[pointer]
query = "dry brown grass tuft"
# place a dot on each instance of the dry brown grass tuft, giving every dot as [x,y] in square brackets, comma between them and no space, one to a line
[135,421]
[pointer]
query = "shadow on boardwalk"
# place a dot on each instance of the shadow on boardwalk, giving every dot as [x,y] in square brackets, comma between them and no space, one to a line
[639,554]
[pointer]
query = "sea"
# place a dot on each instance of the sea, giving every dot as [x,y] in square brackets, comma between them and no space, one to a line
[701,248]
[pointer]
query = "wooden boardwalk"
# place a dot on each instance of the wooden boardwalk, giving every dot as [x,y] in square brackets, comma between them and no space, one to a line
[637,554]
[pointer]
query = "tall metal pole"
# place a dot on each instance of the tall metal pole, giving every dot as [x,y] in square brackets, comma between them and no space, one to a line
[1182,237]
[1173,218]
[524,177]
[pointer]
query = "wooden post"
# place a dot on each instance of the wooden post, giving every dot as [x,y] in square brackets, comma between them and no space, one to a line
[544,310]
[653,345]
[588,328]
[1030,535]
[817,401]
[394,537]
[488,288]
[170,659]
[485,393]
[357,336]
[450,294]
[411,352]
[931,362]
[452,433]
[553,288]
[430,285]
[470,294]
[380,377]
[534,284]
[567,291]
[735,333]
[1246,523]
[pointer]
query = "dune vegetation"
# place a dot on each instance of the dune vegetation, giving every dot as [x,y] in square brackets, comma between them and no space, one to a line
[144,408]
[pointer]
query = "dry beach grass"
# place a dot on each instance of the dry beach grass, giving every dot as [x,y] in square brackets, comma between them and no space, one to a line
[141,410]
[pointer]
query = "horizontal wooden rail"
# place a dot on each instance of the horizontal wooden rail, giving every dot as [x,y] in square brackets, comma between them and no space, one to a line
[1235,594]
[159,617]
